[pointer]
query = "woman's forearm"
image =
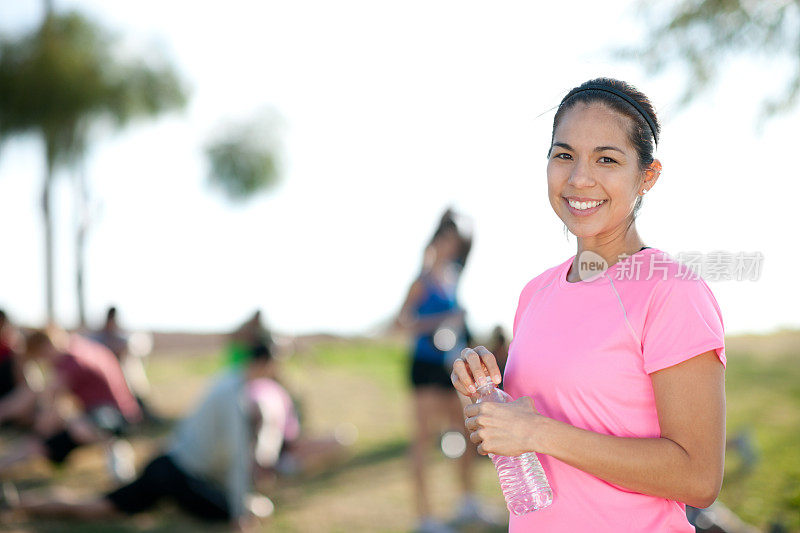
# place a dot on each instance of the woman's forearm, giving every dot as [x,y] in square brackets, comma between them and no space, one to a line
[654,466]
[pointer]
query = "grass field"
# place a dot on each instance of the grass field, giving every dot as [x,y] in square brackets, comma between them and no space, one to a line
[364,383]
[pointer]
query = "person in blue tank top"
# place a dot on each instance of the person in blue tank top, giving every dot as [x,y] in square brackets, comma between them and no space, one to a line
[438,302]
[431,312]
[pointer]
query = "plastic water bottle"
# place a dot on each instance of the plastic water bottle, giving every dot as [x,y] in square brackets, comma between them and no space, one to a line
[522,478]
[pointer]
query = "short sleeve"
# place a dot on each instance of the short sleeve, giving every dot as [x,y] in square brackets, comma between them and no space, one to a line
[683,320]
[521,304]
[524,299]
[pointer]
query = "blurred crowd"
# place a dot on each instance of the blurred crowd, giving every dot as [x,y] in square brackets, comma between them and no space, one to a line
[61,391]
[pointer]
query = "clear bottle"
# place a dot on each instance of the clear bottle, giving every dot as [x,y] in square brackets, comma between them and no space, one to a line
[522,478]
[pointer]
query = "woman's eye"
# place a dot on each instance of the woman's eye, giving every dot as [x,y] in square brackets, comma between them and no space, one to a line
[563,155]
[605,159]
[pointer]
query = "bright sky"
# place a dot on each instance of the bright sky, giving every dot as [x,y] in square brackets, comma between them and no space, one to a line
[392,111]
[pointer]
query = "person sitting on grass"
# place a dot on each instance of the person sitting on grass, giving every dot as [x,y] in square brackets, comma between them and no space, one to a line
[207,469]
[113,337]
[251,332]
[17,399]
[87,372]
[283,445]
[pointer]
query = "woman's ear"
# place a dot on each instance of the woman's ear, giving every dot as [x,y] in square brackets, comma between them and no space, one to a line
[651,174]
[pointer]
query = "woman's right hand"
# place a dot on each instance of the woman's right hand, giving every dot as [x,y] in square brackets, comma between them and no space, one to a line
[472,367]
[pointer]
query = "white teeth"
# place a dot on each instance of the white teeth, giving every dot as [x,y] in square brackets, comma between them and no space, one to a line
[584,205]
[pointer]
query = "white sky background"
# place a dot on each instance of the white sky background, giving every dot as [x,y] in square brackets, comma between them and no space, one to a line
[392,111]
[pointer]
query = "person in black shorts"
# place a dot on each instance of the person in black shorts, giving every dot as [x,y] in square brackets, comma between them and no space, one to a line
[433,315]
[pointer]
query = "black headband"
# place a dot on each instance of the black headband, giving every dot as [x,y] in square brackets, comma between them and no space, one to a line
[624,96]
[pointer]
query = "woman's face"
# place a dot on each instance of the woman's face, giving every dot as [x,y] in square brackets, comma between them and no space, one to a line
[592,160]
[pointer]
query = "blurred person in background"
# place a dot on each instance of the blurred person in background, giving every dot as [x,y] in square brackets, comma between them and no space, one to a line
[432,314]
[279,420]
[207,468]
[251,332]
[498,345]
[17,399]
[298,454]
[113,337]
[81,370]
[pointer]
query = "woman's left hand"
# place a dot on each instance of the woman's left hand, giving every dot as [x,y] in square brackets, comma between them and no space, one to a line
[504,428]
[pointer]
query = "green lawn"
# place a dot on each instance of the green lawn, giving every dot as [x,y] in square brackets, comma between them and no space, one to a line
[369,490]
[763,395]
[364,383]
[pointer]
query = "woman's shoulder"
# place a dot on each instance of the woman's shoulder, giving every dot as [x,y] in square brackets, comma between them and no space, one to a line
[659,280]
[658,271]
[675,313]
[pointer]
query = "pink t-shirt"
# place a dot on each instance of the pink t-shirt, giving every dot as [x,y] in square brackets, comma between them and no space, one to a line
[584,351]
[92,373]
[279,419]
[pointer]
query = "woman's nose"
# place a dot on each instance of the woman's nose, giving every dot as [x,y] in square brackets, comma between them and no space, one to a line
[580,176]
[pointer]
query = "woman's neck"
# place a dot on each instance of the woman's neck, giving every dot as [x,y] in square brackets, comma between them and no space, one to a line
[611,251]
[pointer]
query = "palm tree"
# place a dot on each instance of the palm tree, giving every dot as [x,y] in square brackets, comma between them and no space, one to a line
[60,80]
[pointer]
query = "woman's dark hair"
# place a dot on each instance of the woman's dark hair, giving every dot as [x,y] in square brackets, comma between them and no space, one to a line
[262,350]
[36,340]
[448,223]
[641,135]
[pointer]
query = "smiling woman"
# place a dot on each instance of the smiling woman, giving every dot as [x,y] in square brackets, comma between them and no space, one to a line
[619,378]
[626,119]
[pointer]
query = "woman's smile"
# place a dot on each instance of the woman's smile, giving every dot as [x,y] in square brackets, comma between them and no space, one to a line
[584,208]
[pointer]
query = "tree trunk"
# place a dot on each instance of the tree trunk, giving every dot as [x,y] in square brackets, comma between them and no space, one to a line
[48,238]
[46,212]
[80,245]
[81,229]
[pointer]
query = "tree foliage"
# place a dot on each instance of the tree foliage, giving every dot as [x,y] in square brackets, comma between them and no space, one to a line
[243,159]
[62,78]
[702,34]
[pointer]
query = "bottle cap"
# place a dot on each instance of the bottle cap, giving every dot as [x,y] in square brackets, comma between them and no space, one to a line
[484,381]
